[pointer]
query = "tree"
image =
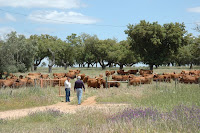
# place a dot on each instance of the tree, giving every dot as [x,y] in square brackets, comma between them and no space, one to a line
[90,43]
[78,48]
[43,64]
[155,43]
[16,53]
[41,51]
[64,54]
[124,54]
[104,50]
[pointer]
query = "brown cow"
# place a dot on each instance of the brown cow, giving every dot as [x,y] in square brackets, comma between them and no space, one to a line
[95,83]
[33,74]
[71,75]
[45,76]
[134,81]
[107,73]
[185,72]
[8,83]
[82,76]
[194,72]
[117,77]
[125,77]
[101,75]
[23,82]
[189,79]
[133,71]
[110,84]
[85,79]
[59,75]
[120,71]
[142,71]
[76,71]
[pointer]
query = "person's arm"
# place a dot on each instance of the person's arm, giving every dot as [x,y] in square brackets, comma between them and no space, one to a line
[83,86]
[74,86]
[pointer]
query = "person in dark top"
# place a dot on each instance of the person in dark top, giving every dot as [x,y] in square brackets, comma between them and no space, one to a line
[78,87]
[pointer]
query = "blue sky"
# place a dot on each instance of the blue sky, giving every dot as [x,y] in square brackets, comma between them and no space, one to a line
[105,18]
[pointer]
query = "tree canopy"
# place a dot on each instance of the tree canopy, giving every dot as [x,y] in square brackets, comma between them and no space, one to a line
[154,42]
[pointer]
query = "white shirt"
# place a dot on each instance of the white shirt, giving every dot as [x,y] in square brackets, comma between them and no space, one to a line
[67,84]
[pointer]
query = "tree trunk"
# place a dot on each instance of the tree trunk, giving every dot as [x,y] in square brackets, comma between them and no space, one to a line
[96,64]
[51,62]
[103,67]
[191,66]
[36,64]
[156,66]
[110,65]
[32,68]
[121,66]
[50,69]
[35,68]
[88,65]
[151,67]
[65,67]
[1,76]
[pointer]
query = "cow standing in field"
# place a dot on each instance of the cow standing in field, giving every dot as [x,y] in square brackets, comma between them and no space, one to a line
[81,75]
[94,82]
[189,79]
[133,71]
[142,71]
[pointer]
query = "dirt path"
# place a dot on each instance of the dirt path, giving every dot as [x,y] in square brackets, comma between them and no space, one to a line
[61,106]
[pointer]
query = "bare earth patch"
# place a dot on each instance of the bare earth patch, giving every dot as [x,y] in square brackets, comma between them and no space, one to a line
[61,106]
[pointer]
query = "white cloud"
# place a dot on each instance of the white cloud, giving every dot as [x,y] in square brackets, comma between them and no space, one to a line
[10,17]
[61,17]
[61,4]
[195,9]
[4,31]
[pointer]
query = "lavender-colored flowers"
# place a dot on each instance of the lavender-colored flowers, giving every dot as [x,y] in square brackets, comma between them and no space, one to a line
[129,114]
[184,115]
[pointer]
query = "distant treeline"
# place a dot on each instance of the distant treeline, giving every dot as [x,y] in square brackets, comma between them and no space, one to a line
[150,43]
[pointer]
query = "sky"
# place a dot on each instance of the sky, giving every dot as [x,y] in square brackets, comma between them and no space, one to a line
[105,18]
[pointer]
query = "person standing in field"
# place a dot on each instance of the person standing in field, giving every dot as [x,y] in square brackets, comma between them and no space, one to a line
[67,89]
[78,88]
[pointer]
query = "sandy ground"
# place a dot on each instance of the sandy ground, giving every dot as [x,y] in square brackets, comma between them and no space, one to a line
[61,106]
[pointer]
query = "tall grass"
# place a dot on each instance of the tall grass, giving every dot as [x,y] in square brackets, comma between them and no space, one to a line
[181,119]
[27,97]
[160,107]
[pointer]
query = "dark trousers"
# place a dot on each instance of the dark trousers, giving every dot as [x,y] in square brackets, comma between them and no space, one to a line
[67,91]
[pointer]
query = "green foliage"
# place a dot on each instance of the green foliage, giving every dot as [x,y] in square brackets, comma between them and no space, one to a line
[90,44]
[16,53]
[64,54]
[151,40]
[189,53]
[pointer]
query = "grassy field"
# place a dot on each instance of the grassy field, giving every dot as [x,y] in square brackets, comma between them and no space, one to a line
[157,107]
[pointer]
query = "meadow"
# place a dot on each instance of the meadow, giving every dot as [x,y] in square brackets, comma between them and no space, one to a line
[156,107]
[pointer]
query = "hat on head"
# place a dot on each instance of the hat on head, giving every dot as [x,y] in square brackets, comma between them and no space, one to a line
[79,77]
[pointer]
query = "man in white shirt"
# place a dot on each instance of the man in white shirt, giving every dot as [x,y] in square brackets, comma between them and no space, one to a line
[67,89]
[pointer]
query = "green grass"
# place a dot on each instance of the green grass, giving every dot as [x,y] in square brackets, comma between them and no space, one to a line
[161,96]
[27,97]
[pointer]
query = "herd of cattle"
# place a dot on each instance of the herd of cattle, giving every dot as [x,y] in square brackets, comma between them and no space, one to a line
[134,77]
